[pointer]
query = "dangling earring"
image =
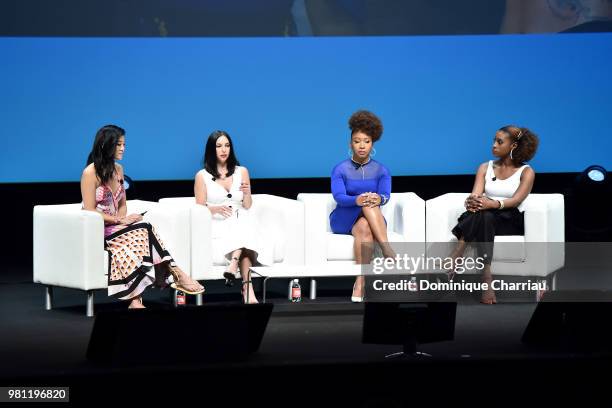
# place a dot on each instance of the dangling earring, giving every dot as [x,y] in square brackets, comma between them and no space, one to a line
[511,153]
[373,152]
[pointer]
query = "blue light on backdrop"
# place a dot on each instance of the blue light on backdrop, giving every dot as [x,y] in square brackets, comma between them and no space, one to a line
[286,101]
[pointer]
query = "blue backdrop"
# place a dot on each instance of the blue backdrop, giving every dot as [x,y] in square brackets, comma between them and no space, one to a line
[286,101]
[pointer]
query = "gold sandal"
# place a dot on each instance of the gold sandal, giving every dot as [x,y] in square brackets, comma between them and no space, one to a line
[178,286]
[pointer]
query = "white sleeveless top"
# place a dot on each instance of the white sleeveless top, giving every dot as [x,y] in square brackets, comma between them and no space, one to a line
[216,194]
[502,189]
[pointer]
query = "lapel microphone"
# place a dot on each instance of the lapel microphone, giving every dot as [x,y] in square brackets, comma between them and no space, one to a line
[494,178]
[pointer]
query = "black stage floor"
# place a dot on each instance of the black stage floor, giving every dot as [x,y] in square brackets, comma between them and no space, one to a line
[315,346]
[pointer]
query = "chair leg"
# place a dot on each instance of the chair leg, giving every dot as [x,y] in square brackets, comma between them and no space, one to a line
[313,289]
[553,285]
[48,297]
[199,301]
[265,282]
[539,293]
[174,297]
[90,303]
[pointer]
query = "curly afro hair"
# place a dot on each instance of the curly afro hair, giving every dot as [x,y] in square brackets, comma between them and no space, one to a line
[366,122]
[527,143]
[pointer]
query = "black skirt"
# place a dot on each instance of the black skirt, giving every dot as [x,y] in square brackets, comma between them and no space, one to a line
[481,227]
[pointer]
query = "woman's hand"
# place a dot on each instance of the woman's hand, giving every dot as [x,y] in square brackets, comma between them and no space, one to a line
[368,199]
[361,199]
[472,203]
[222,210]
[129,219]
[485,203]
[374,200]
[245,188]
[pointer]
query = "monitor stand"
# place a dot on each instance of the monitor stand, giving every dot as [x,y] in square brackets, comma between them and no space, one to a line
[409,351]
[409,323]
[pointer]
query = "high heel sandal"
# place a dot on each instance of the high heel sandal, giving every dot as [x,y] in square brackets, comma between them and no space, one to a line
[356,299]
[242,293]
[229,276]
[177,285]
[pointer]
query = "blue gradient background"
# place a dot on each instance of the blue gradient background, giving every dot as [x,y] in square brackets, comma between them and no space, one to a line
[286,101]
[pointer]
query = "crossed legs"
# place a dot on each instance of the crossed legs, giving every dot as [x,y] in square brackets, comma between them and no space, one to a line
[241,258]
[369,227]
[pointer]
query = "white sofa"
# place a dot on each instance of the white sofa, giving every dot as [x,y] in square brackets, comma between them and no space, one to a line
[279,224]
[68,246]
[324,250]
[538,253]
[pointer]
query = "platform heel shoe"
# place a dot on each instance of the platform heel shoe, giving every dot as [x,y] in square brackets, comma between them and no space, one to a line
[356,299]
[230,277]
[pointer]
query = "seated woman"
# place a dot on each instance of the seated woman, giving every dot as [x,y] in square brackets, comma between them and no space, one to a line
[360,186]
[138,256]
[505,182]
[224,187]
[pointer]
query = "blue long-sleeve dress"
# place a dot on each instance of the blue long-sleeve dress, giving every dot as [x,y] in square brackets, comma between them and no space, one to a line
[350,179]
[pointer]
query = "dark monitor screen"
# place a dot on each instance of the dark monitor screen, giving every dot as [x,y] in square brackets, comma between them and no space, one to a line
[392,322]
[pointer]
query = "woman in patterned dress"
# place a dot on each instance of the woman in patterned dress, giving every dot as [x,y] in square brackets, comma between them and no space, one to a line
[138,258]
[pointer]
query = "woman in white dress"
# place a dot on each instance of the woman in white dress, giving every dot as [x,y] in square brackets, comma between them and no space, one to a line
[224,187]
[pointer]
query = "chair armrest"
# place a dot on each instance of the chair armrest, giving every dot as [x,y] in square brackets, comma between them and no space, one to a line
[408,216]
[281,220]
[68,247]
[316,220]
[441,216]
[544,218]
[172,225]
[201,241]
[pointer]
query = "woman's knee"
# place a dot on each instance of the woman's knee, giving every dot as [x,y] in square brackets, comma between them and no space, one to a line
[362,230]
[371,210]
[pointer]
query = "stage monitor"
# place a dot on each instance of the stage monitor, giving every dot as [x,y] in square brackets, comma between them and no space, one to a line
[202,334]
[408,324]
[579,320]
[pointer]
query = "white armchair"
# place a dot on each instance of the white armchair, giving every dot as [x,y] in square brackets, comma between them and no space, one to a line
[538,253]
[279,222]
[405,215]
[68,247]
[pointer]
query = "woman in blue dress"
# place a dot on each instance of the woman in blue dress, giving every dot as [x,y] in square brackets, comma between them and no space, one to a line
[360,185]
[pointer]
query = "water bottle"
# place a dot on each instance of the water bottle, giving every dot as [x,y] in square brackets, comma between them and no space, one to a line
[413,285]
[296,291]
[181,299]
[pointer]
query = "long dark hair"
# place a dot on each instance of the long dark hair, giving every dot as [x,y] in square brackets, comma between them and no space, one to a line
[103,151]
[210,154]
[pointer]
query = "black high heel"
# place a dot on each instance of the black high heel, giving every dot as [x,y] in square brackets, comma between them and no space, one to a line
[230,277]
